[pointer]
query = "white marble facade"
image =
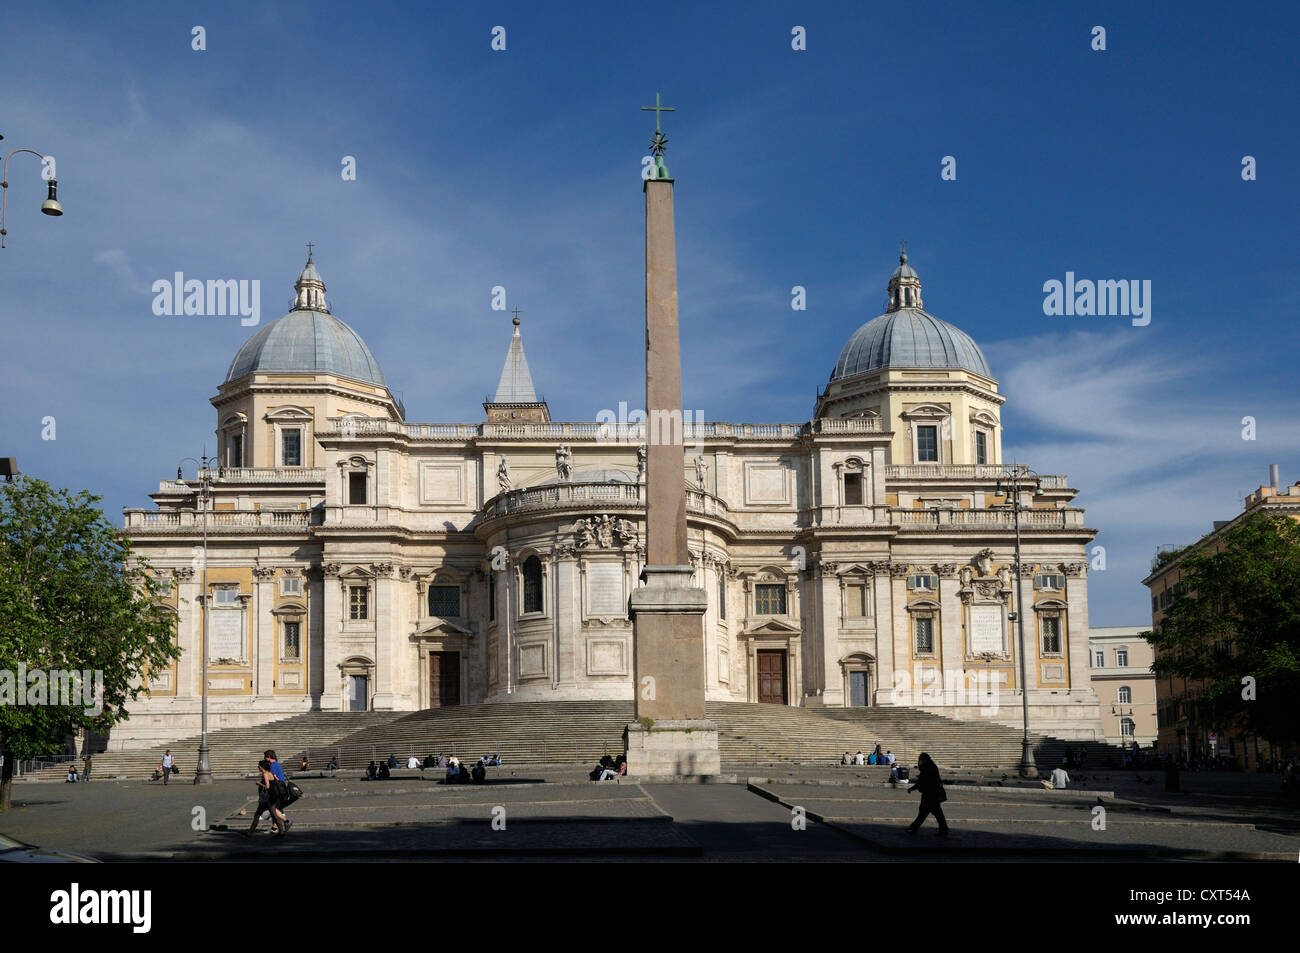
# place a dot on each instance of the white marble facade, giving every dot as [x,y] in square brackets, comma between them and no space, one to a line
[359,561]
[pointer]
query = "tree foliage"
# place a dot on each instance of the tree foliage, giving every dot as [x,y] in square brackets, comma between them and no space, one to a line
[72,597]
[1238,618]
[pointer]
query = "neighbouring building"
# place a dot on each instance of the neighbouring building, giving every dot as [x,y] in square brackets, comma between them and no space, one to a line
[1124,683]
[358,561]
[1183,732]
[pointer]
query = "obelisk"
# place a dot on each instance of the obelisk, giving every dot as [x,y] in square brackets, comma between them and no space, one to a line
[671,736]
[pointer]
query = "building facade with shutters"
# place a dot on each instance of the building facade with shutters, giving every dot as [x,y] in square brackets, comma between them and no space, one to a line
[357,560]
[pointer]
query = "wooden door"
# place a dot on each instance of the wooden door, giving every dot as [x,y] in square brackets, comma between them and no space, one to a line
[444,679]
[771,677]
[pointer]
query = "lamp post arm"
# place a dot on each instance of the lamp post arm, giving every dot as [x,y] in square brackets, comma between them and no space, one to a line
[4,188]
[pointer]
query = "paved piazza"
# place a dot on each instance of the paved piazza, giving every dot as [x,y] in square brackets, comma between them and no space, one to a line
[556,813]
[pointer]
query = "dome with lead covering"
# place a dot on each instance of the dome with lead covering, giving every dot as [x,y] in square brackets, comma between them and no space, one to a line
[307,340]
[906,336]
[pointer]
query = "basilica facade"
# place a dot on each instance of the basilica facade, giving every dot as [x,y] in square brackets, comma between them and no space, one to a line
[358,561]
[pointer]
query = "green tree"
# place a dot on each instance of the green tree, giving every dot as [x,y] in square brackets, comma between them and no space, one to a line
[1238,618]
[72,597]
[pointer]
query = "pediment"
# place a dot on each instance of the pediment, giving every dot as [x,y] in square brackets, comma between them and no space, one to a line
[440,626]
[773,627]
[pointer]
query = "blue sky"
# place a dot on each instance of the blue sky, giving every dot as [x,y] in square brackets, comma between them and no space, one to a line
[521,168]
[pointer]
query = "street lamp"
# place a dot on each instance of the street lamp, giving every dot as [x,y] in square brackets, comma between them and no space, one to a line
[51,204]
[1009,482]
[203,774]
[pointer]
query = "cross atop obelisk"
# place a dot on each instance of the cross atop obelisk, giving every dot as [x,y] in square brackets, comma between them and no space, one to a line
[659,142]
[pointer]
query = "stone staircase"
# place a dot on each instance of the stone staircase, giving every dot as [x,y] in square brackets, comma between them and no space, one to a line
[579,732]
[234,752]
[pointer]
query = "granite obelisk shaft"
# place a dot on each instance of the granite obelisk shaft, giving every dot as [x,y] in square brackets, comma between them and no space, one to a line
[667,613]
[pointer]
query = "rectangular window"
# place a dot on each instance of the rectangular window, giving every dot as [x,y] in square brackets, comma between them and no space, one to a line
[290,585]
[358,603]
[1125,695]
[237,450]
[356,488]
[927,444]
[722,594]
[291,448]
[492,596]
[981,447]
[444,601]
[1051,628]
[923,583]
[856,594]
[853,489]
[1099,658]
[1121,658]
[924,625]
[769,600]
[226,597]
[1049,581]
[292,640]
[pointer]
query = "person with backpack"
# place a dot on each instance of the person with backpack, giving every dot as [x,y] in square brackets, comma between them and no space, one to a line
[269,795]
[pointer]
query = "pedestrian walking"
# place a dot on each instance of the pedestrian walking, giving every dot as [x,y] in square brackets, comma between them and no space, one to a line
[269,795]
[166,765]
[933,795]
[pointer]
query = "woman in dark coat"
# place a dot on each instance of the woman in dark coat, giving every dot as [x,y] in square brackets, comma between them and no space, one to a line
[932,795]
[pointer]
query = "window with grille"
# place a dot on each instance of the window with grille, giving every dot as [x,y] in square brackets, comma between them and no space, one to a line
[358,603]
[291,447]
[444,601]
[1125,695]
[532,584]
[769,600]
[924,626]
[1051,629]
[292,640]
[927,444]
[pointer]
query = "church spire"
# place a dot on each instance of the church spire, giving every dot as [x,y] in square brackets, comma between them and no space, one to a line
[309,290]
[515,398]
[904,285]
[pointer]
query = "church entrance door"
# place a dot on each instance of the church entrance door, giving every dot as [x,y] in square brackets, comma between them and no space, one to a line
[444,679]
[858,689]
[771,677]
[357,692]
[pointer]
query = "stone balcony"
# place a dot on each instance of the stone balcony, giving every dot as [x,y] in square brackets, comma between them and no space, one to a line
[560,496]
[981,472]
[999,519]
[191,522]
[264,475]
[631,434]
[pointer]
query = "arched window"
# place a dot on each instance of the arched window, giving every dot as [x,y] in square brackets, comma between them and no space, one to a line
[532,584]
[1125,695]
